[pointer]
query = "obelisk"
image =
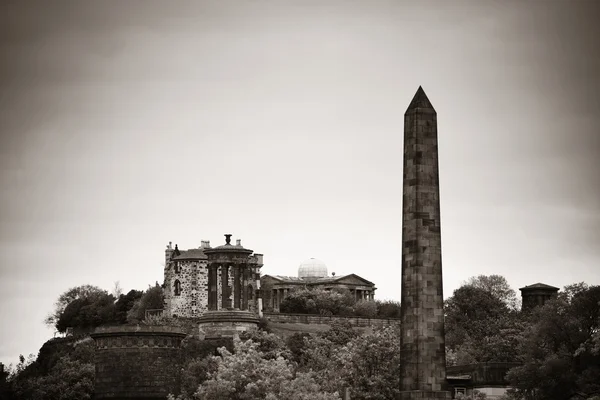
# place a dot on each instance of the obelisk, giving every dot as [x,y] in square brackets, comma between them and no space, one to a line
[423,354]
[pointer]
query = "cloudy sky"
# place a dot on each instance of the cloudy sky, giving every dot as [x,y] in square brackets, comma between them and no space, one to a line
[126,125]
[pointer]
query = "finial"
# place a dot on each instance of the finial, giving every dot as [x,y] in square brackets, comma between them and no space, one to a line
[228,238]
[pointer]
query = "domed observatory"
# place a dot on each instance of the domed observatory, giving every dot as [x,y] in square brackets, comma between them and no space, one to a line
[312,274]
[233,279]
[312,268]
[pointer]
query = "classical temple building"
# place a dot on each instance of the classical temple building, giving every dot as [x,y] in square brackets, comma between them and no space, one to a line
[312,273]
[537,295]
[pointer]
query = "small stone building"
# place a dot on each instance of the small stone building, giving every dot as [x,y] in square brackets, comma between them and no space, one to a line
[312,273]
[537,295]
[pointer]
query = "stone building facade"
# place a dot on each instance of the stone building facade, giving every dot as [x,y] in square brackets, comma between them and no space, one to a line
[189,282]
[537,295]
[312,273]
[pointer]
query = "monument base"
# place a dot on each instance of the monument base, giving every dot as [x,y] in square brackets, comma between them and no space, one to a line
[424,395]
[226,323]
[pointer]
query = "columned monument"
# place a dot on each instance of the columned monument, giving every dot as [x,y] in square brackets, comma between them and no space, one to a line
[423,369]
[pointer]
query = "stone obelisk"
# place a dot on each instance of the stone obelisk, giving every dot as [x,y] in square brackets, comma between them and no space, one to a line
[423,354]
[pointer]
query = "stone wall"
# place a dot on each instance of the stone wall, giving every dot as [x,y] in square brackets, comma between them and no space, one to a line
[193,298]
[318,319]
[137,362]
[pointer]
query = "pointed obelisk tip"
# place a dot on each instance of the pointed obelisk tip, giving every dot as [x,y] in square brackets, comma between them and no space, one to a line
[420,100]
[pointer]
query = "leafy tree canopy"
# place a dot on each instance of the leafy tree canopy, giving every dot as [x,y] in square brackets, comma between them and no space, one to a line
[557,350]
[497,286]
[152,299]
[78,292]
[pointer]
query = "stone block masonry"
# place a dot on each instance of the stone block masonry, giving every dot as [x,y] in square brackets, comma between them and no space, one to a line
[137,362]
[323,320]
[423,369]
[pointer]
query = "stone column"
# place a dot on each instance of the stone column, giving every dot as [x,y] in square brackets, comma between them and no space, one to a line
[423,368]
[225,286]
[259,304]
[244,278]
[212,287]
[236,287]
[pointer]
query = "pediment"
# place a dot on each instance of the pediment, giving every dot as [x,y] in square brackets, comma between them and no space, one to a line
[354,279]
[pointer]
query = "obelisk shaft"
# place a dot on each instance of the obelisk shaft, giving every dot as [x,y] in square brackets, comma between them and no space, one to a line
[423,352]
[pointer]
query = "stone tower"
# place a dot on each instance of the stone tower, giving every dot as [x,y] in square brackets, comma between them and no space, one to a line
[423,369]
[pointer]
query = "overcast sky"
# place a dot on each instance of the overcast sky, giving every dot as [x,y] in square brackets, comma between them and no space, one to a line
[126,125]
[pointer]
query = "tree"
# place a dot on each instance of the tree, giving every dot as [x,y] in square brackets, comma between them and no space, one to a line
[117,290]
[68,380]
[318,301]
[5,388]
[152,299]
[480,327]
[246,374]
[497,286]
[388,309]
[370,364]
[557,350]
[74,293]
[86,313]
[126,303]
[472,312]
[365,308]
[296,343]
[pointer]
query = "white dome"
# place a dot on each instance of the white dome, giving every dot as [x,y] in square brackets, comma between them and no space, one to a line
[312,268]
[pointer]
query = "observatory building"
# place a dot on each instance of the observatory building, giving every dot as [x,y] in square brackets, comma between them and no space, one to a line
[312,273]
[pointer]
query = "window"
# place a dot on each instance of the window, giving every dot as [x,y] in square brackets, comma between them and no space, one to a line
[177,268]
[177,287]
[459,392]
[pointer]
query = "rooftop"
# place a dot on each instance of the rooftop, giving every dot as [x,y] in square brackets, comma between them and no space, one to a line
[191,254]
[539,286]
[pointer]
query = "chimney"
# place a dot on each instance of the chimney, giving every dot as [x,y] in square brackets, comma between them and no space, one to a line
[238,242]
[168,253]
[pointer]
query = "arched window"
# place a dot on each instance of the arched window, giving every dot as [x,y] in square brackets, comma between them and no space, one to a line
[177,287]
[250,292]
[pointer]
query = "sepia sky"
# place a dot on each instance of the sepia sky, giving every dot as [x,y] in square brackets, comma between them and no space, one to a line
[126,125]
